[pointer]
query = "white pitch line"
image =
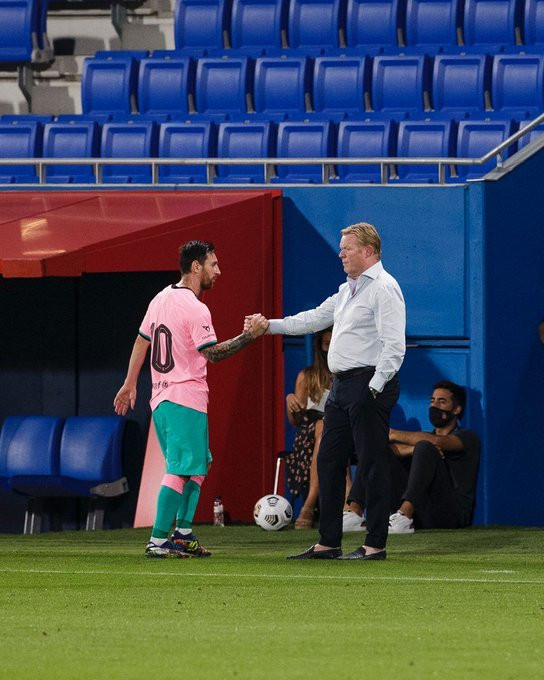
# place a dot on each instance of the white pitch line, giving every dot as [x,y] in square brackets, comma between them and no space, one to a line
[324,577]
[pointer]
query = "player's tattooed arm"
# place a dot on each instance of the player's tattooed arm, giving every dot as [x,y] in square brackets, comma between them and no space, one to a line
[226,349]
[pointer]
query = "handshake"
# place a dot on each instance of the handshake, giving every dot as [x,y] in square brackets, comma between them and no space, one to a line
[255,325]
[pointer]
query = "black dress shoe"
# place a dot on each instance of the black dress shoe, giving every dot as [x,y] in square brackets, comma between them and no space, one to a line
[361,554]
[312,554]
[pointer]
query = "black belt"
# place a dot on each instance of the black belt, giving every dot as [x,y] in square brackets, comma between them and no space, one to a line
[344,375]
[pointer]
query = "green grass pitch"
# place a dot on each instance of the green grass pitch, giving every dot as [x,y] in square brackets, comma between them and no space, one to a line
[445,604]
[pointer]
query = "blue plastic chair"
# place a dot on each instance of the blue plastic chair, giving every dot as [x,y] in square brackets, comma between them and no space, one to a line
[373,24]
[186,140]
[71,140]
[518,85]
[432,25]
[340,84]
[535,133]
[364,139]
[20,140]
[18,30]
[128,140]
[423,139]
[109,84]
[9,429]
[244,140]
[223,85]
[258,24]
[165,83]
[490,25]
[476,138]
[399,84]
[304,139]
[282,85]
[200,26]
[533,23]
[460,84]
[313,25]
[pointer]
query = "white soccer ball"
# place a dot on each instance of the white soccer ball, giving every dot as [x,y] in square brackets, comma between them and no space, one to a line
[272,512]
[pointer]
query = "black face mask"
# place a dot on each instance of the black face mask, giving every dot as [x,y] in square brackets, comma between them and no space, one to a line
[440,418]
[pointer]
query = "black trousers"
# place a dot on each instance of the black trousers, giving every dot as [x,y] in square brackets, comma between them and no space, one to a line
[357,422]
[425,481]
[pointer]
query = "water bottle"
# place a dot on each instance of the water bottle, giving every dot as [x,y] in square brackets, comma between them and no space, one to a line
[218,515]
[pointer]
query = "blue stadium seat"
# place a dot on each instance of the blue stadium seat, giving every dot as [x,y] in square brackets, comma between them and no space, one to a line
[27,118]
[71,140]
[518,85]
[128,140]
[364,139]
[314,24]
[244,140]
[20,140]
[18,30]
[223,85]
[33,456]
[164,84]
[200,25]
[9,429]
[490,25]
[476,138]
[422,139]
[460,83]
[108,84]
[282,85]
[99,118]
[535,133]
[533,23]
[258,24]
[373,23]
[90,454]
[432,24]
[340,84]
[399,84]
[304,139]
[186,140]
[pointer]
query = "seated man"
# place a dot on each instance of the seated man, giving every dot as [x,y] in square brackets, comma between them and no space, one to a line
[434,474]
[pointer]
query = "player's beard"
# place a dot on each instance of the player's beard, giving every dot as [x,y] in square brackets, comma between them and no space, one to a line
[208,283]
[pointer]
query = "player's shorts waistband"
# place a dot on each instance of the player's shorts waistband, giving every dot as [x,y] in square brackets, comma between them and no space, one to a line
[361,370]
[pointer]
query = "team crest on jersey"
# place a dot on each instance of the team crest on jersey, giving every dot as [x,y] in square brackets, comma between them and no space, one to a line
[206,328]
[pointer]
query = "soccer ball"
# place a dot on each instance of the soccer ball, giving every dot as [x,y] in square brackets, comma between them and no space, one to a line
[272,512]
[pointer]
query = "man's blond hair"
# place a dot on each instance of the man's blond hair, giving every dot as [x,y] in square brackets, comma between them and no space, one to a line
[366,235]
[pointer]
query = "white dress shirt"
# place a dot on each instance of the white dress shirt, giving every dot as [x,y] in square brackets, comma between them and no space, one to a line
[369,320]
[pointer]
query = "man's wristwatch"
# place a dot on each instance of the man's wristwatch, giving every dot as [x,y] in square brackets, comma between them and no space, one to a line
[373,392]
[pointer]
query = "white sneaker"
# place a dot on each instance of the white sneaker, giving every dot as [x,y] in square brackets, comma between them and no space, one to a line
[400,524]
[352,522]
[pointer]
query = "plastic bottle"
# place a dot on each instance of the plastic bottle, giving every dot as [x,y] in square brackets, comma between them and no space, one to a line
[218,515]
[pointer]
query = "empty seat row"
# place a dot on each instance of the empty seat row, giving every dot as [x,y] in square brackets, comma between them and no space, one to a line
[248,140]
[202,26]
[274,86]
[23,31]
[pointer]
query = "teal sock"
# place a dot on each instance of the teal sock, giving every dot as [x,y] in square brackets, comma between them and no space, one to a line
[187,505]
[167,504]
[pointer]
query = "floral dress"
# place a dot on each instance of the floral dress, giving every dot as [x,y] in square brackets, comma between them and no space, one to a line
[299,460]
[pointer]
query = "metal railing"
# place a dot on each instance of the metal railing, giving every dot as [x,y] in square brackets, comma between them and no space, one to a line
[327,164]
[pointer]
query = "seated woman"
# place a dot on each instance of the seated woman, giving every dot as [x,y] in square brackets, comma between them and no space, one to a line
[305,412]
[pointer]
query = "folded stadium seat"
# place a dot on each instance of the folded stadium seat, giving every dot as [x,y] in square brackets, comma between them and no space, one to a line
[461,84]
[9,429]
[20,140]
[244,140]
[492,25]
[200,26]
[535,133]
[423,139]
[128,140]
[282,85]
[533,24]
[401,85]
[186,140]
[340,84]
[433,25]
[364,139]
[27,118]
[304,139]
[475,138]
[374,25]
[109,83]
[259,24]
[71,140]
[517,87]
[224,85]
[165,83]
[314,25]
[99,118]
[18,31]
